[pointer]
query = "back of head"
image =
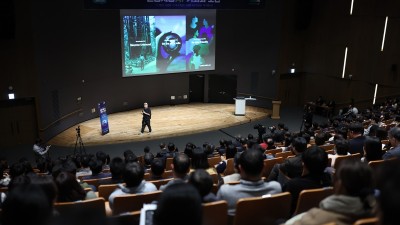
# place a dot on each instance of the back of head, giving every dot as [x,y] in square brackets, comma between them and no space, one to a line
[47,184]
[342,146]
[230,151]
[102,157]
[356,127]
[26,205]
[148,158]
[320,139]
[179,204]
[373,148]
[146,149]
[355,178]
[300,144]
[315,159]
[381,133]
[157,167]
[131,158]
[395,133]
[127,152]
[181,164]
[202,181]
[251,162]
[69,190]
[117,167]
[199,159]
[96,166]
[171,147]
[133,174]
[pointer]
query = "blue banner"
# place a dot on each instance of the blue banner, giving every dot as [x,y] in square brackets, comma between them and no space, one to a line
[103,118]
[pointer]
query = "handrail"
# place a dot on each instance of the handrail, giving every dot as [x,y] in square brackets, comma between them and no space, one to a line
[59,119]
[258,96]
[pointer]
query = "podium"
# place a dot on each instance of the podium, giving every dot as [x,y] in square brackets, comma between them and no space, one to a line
[240,105]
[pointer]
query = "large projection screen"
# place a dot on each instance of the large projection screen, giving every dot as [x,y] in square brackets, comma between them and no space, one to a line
[167,41]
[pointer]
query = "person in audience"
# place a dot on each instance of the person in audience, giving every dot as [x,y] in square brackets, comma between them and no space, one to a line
[69,190]
[104,158]
[26,204]
[148,160]
[157,169]
[203,182]
[235,177]
[291,167]
[320,139]
[131,158]
[372,149]
[251,163]
[200,161]
[134,183]
[229,154]
[126,153]
[172,151]
[342,147]
[47,184]
[163,151]
[84,170]
[117,167]
[180,168]
[315,160]
[96,166]
[388,182]
[353,198]
[394,139]
[209,150]
[179,204]
[357,140]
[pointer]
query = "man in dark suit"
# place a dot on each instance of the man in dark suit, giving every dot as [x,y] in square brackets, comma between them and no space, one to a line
[146,112]
[357,139]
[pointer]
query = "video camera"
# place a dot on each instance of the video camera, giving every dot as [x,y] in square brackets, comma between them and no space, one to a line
[78,130]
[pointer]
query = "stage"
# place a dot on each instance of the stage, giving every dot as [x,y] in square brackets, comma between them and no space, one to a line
[167,121]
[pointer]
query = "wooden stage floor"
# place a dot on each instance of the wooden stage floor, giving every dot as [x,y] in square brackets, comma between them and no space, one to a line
[167,121]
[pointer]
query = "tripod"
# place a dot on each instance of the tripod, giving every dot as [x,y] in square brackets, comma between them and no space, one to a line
[79,142]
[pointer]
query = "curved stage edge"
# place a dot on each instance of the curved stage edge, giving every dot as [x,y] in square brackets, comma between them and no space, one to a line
[167,121]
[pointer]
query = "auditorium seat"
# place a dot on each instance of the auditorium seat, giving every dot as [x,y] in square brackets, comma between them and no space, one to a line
[269,164]
[95,182]
[341,158]
[214,213]
[97,204]
[214,161]
[105,190]
[375,164]
[158,183]
[367,221]
[283,154]
[327,147]
[273,151]
[133,202]
[385,142]
[168,163]
[230,167]
[311,198]
[262,210]
[129,218]
[168,174]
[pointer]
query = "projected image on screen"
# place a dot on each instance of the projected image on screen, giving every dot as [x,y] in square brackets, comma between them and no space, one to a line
[159,44]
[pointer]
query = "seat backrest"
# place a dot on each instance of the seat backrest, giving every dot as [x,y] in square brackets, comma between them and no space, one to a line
[367,221]
[133,202]
[311,198]
[327,147]
[342,158]
[269,164]
[262,210]
[105,190]
[168,163]
[375,164]
[230,167]
[273,151]
[283,154]
[214,213]
[97,204]
[129,218]
[158,183]
[214,161]
[167,174]
[96,182]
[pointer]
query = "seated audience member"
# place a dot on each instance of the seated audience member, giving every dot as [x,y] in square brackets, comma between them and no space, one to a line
[179,204]
[148,159]
[117,167]
[251,163]
[43,165]
[342,147]
[200,161]
[270,142]
[320,139]
[236,175]
[381,133]
[26,204]
[84,170]
[291,167]
[203,182]
[96,166]
[353,198]
[157,169]
[189,149]
[172,151]
[209,150]
[131,158]
[47,184]
[134,183]
[388,182]
[264,142]
[394,139]
[357,140]
[104,158]
[372,149]
[69,190]
[163,151]
[229,154]
[315,160]
[126,153]
[180,168]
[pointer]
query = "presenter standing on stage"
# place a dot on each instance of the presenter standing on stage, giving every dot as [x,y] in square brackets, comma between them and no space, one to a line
[146,112]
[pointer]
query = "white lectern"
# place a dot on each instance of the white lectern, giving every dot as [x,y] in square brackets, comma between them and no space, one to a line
[240,105]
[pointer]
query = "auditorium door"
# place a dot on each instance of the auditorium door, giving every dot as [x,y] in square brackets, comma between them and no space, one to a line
[196,88]
[222,88]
